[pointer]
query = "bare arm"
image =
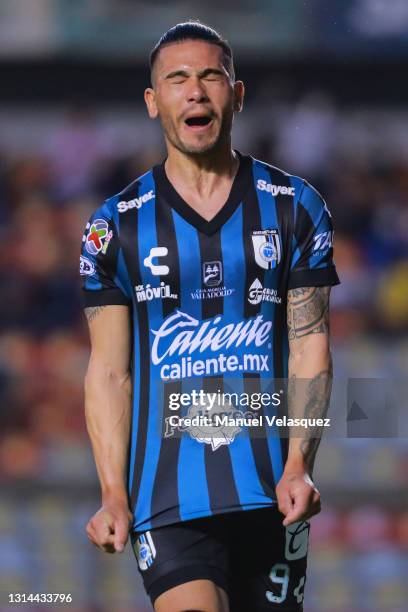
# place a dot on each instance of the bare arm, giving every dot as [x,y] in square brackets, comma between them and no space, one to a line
[108,417]
[310,378]
[309,360]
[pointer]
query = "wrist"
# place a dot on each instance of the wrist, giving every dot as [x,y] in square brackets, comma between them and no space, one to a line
[117,493]
[296,465]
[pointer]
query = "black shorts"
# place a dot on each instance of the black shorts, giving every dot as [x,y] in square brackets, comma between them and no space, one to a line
[250,554]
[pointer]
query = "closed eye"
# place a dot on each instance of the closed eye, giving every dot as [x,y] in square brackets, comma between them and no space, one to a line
[178,76]
[210,74]
[177,79]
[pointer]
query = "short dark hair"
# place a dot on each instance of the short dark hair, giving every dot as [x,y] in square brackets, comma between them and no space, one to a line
[194,30]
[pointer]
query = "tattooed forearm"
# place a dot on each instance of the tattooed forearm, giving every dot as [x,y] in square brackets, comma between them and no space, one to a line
[309,399]
[308,311]
[93,312]
[308,449]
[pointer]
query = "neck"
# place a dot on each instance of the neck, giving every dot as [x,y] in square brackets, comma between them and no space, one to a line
[201,173]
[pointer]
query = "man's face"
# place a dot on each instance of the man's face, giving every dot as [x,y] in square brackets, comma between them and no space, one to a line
[193,95]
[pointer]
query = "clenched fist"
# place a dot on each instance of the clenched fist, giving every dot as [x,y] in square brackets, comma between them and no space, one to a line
[109,527]
[298,497]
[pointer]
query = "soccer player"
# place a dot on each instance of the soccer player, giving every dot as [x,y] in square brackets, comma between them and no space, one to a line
[212,266]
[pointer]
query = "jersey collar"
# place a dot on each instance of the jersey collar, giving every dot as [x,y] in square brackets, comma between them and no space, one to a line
[239,187]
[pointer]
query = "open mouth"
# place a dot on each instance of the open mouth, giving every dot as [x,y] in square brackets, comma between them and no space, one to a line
[200,121]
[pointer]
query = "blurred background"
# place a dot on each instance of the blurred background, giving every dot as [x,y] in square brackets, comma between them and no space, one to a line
[327,99]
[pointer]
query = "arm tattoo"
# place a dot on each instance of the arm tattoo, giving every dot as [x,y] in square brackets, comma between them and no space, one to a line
[308,311]
[310,399]
[93,312]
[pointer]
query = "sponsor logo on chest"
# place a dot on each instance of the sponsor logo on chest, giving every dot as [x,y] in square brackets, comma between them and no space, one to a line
[212,273]
[257,293]
[181,333]
[146,293]
[124,206]
[212,276]
[274,189]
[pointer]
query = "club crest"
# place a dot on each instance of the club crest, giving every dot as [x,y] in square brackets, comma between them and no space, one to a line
[267,248]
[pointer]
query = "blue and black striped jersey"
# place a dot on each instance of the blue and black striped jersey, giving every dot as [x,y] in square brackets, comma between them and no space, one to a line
[208,302]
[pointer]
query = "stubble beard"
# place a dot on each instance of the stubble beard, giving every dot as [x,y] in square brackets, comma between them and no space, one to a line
[172,136]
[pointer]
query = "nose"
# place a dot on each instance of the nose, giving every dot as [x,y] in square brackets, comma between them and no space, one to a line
[196,91]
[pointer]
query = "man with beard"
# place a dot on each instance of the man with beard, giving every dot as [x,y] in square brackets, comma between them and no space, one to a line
[213,269]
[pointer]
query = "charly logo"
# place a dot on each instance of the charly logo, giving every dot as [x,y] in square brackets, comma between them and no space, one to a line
[267,248]
[86,267]
[181,333]
[145,550]
[297,537]
[257,293]
[157,270]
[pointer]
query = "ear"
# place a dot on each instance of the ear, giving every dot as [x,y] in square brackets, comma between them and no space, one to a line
[150,100]
[239,93]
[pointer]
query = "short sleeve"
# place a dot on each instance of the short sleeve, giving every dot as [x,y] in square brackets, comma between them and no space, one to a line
[312,263]
[99,262]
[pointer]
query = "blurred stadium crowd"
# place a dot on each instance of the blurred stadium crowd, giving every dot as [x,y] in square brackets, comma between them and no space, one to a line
[326,101]
[47,191]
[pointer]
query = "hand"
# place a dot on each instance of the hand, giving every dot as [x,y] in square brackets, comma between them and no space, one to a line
[109,527]
[298,498]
